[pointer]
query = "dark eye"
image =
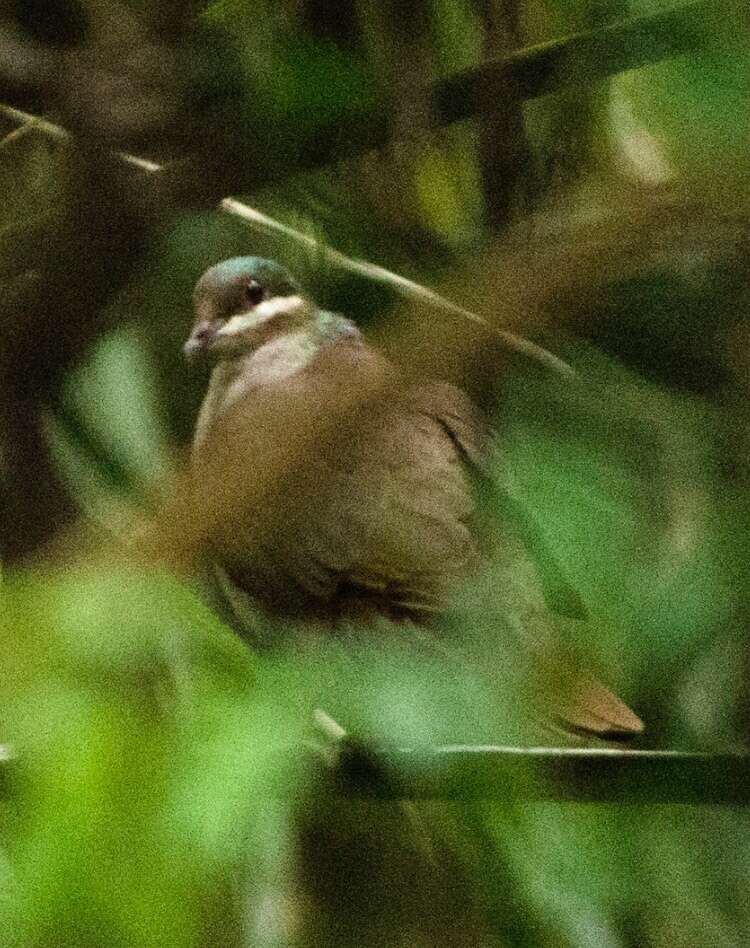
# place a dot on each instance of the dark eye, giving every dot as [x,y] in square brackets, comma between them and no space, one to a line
[253,293]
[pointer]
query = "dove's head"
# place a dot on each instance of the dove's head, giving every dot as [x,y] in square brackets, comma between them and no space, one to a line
[239,305]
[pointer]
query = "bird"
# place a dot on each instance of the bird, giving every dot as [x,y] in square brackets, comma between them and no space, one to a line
[377,516]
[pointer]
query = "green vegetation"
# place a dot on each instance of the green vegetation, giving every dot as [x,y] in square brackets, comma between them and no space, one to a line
[165,790]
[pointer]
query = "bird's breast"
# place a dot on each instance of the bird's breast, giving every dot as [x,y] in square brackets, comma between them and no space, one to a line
[277,359]
[232,379]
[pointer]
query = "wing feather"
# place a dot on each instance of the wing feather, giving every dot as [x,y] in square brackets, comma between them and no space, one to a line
[381,515]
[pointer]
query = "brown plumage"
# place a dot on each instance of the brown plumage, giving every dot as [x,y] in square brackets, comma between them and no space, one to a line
[380,518]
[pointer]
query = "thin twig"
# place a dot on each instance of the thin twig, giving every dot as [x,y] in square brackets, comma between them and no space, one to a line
[62,134]
[526,775]
[400,284]
[580,58]
[551,774]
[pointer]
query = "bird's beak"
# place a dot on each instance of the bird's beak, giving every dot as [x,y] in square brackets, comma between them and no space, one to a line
[198,346]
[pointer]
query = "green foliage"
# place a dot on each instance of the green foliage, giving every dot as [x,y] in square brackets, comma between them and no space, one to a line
[164,791]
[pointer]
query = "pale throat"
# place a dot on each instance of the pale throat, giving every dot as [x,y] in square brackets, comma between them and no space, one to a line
[306,330]
[285,352]
[281,357]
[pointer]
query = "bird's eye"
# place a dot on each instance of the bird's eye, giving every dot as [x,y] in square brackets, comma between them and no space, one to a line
[253,293]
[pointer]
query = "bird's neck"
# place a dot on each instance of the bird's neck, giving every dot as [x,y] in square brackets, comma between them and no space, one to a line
[290,351]
[279,358]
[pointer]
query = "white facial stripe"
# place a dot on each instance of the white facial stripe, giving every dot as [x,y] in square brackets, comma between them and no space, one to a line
[262,313]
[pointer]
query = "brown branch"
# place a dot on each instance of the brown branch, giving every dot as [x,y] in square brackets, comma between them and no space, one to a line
[579,59]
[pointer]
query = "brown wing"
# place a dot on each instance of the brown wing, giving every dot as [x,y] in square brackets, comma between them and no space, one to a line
[376,515]
[394,526]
